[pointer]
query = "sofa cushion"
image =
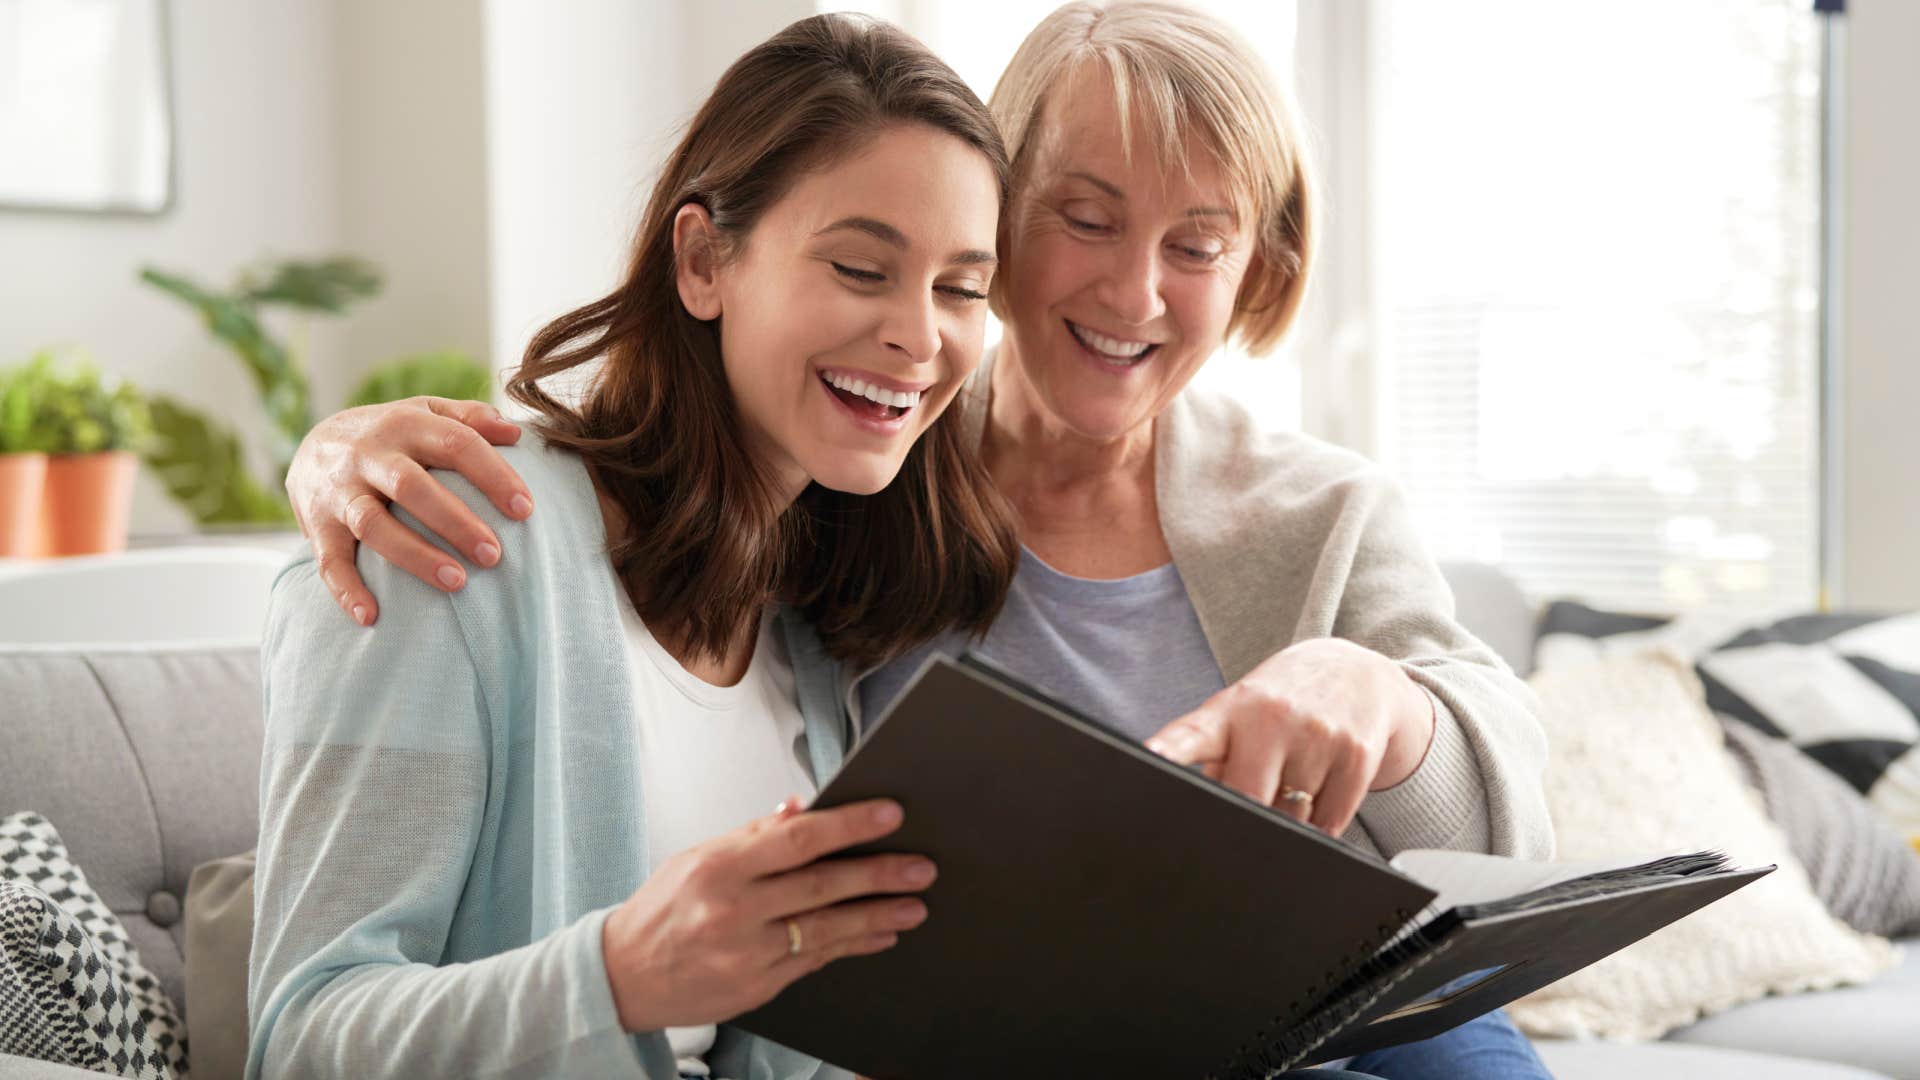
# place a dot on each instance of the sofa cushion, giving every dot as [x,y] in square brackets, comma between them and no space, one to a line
[1569,1059]
[1875,1026]
[1861,869]
[219,938]
[74,962]
[1843,687]
[62,998]
[148,760]
[1639,766]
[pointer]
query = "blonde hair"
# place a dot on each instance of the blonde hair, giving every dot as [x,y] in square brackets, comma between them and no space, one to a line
[1178,73]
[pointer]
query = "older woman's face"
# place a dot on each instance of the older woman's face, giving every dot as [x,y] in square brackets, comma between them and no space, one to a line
[1122,274]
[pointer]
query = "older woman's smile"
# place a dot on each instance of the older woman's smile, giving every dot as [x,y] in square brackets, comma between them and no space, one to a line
[1118,352]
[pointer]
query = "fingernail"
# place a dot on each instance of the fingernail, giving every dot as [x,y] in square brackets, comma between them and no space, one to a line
[920,873]
[449,577]
[520,506]
[887,814]
[486,554]
[1157,747]
[360,614]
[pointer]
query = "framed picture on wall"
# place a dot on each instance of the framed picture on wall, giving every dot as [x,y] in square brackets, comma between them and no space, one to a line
[86,117]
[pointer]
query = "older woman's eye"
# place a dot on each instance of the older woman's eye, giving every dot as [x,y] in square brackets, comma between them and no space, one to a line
[1081,221]
[854,273]
[1201,255]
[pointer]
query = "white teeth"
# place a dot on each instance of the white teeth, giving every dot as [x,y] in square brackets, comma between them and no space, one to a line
[1106,346]
[899,399]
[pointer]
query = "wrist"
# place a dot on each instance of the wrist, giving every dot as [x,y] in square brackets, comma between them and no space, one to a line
[1415,721]
[620,978]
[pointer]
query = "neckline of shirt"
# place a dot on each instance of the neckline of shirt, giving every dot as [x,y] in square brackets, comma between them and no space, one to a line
[696,690]
[1146,581]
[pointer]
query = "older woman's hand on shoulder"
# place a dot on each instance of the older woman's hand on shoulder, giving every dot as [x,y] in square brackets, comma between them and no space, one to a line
[353,464]
[1311,731]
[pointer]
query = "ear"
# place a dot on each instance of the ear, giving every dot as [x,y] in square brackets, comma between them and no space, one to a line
[696,262]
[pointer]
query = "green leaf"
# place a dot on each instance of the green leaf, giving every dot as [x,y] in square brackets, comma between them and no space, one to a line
[23,391]
[204,468]
[327,285]
[46,409]
[283,388]
[442,374]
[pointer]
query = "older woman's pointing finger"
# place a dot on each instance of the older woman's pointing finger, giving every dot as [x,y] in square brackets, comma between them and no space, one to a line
[1310,731]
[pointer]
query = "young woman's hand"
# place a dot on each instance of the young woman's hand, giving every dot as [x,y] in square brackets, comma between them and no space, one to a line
[353,463]
[707,937]
[1310,731]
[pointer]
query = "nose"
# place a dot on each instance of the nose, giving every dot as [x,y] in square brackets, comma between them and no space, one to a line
[1131,289]
[913,328]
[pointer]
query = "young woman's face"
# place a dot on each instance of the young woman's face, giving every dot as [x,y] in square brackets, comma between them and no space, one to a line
[1121,274]
[857,307]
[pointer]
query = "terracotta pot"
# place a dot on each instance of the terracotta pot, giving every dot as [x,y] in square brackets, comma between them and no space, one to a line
[23,477]
[88,501]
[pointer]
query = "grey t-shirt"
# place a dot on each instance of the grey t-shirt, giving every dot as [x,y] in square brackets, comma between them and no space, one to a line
[1126,651]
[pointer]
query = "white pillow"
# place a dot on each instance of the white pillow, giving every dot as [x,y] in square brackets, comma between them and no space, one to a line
[1639,767]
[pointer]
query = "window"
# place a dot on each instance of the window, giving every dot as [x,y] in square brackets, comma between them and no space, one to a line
[1594,289]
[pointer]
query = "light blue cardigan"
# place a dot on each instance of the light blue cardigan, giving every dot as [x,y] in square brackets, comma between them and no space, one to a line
[450,806]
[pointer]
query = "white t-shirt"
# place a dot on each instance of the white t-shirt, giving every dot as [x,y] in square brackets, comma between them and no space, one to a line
[712,758]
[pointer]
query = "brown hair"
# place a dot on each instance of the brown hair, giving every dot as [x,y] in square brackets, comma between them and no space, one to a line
[707,544]
[1179,72]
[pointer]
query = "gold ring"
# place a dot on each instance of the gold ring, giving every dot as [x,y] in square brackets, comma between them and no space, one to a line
[1295,795]
[793,937]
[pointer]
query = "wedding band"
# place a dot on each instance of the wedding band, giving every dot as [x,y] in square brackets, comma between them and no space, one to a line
[1295,795]
[793,937]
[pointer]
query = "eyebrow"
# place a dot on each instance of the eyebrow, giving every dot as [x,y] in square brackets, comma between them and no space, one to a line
[891,236]
[1113,190]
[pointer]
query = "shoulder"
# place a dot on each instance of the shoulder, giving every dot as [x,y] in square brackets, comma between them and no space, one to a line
[1217,451]
[552,549]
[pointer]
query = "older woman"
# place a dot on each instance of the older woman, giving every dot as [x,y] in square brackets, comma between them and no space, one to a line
[1254,602]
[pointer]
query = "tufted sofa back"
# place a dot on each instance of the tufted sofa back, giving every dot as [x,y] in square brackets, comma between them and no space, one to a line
[147,760]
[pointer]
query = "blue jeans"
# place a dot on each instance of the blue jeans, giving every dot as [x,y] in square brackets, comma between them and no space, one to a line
[1488,1047]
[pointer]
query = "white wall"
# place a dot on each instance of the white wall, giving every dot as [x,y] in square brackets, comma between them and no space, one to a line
[256,172]
[583,102]
[1881,548]
[412,181]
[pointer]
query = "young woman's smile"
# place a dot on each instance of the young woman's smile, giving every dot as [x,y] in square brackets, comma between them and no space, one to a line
[880,403]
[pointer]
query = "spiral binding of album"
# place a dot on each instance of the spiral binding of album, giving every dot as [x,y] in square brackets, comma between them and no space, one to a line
[1309,1021]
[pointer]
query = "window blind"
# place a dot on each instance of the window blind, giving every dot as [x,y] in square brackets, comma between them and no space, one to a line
[1595,276]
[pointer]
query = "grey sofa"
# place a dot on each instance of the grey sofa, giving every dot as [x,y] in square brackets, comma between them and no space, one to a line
[147,762]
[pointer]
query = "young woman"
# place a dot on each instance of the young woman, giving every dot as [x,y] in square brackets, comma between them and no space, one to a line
[523,830]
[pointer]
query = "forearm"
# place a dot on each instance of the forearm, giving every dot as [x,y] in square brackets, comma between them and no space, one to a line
[542,1010]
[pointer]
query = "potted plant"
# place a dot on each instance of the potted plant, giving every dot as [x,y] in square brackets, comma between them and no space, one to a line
[95,429]
[24,440]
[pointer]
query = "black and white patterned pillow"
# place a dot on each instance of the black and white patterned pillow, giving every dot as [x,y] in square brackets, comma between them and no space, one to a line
[112,1002]
[60,1000]
[1844,688]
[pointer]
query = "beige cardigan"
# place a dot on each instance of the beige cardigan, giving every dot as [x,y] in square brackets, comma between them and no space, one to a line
[1280,538]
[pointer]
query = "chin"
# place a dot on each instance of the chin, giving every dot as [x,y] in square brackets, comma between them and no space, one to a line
[856,477]
[1102,417]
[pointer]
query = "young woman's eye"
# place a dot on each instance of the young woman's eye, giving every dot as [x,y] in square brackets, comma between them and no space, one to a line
[854,273]
[961,292]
